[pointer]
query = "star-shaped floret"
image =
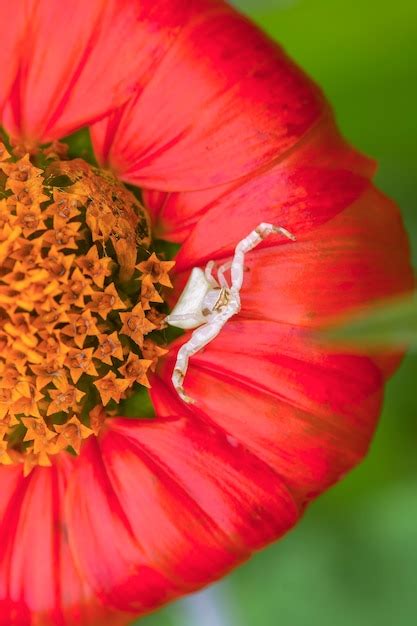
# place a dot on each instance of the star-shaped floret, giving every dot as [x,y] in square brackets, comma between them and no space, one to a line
[64,208]
[81,325]
[50,372]
[76,289]
[135,324]
[28,405]
[64,237]
[148,292]
[51,346]
[91,265]
[135,369]
[53,315]
[72,434]
[22,170]
[156,270]
[109,346]
[57,264]
[28,192]
[79,362]
[64,399]
[29,219]
[31,460]
[111,388]
[104,302]
[38,432]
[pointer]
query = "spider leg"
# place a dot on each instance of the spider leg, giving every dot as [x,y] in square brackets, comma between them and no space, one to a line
[171,319]
[200,338]
[254,238]
[208,271]
[220,274]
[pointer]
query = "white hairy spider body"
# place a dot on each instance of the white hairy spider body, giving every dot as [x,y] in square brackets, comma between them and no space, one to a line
[207,303]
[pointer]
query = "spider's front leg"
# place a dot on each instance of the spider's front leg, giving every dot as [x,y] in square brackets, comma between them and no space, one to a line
[261,232]
[220,274]
[200,338]
[208,273]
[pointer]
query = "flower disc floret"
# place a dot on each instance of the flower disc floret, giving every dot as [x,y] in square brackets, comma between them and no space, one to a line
[74,302]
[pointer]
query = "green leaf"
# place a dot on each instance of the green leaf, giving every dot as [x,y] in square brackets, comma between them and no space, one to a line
[392,325]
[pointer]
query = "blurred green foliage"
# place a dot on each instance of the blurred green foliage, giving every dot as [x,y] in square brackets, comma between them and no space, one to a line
[392,324]
[353,559]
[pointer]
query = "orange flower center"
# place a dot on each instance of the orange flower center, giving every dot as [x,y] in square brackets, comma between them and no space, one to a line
[79,291]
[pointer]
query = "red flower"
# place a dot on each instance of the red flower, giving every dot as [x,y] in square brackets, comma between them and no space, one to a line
[189,101]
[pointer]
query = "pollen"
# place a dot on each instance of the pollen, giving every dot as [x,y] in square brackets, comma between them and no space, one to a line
[81,302]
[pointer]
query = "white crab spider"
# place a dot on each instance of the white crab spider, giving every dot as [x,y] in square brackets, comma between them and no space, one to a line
[208,303]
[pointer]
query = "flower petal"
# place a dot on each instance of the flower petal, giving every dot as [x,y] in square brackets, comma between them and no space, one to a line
[225,101]
[9,47]
[181,504]
[313,183]
[298,200]
[39,584]
[309,414]
[79,60]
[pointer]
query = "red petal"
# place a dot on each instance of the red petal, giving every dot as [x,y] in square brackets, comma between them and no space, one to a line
[225,101]
[11,21]
[180,504]
[39,584]
[311,185]
[307,413]
[297,200]
[154,201]
[79,60]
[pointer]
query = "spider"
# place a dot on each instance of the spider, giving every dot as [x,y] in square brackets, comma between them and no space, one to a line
[208,303]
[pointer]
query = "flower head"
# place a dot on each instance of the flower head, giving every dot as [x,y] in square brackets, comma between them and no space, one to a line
[69,323]
[102,516]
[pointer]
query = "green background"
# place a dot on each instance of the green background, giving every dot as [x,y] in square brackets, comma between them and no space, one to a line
[353,559]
